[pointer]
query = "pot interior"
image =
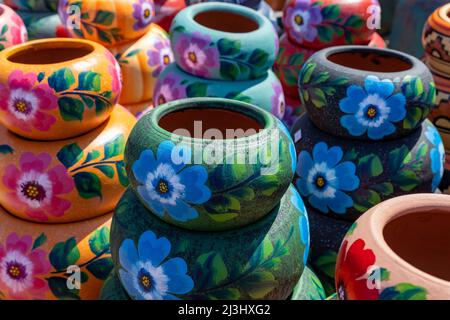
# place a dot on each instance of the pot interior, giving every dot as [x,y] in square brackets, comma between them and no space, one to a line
[1,10]
[51,52]
[210,118]
[226,21]
[423,240]
[370,61]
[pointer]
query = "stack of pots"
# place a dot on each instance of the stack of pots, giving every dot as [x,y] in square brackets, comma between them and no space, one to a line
[62,168]
[365,138]
[222,50]
[312,25]
[209,218]
[12,28]
[435,40]
[141,47]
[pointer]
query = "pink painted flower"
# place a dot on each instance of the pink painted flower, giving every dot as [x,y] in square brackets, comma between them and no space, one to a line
[35,189]
[23,268]
[278,103]
[159,56]
[116,75]
[168,89]
[196,56]
[19,32]
[25,100]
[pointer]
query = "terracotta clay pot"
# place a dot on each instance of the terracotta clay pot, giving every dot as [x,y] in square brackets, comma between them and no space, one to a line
[445,183]
[213,185]
[41,25]
[112,288]
[33,5]
[308,287]
[141,63]
[269,251]
[108,22]
[12,28]
[366,93]
[39,261]
[399,250]
[345,178]
[166,10]
[65,180]
[57,88]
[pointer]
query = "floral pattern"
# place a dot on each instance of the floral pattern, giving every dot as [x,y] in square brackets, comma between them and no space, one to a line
[168,89]
[437,154]
[372,109]
[168,186]
[303,224]
[278,102]
[159,56]
[143,13]
[38,188]
[303,19]
[116,75]
[147,274]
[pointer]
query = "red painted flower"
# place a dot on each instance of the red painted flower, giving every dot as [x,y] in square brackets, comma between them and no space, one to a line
[351,270]
[36,189]
[22,269]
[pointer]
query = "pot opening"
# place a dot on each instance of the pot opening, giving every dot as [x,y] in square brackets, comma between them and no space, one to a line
[51,52]
[226,21]
[200,119]
[371,61]
[2,11]
[423,240]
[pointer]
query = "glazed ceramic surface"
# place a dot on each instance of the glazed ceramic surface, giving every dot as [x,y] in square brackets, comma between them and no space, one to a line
[33,5]
[65,180]
[294,109]
[320,24]
[141,63]
[112,288]
[309,287]
[261,261]
[107,22]
[12,28]
[266,92]
[398,251]
[41,25]
[208,41]
[345,178]
[57,88]
[41,261]
[217,184]
[165,11]
[366,93]
[138,109]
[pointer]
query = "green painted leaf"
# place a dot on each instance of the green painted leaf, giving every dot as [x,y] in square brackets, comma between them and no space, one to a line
[431,97]
[196,89]
[59,288]
[115,147]
[355,22]
[71,109]
[61,80]
[6,149]
[89,81]
[325,33]
[88,185]
[4,29]
[103,17]
[92,155]
[413,118]
[406,179]
[258,58]
[262,254]
[41,76]
[178,29]
[238,96]
[369,166]
[266,184]
[364,199]
[225,294]
[99,241]
[122,173]
[210,270]
[39,241]
[306,73]
[385,274]
[223,217]
[245,193]
[258,284]
[384,188]
[104,36]
[229,70]
[229,47]
[397,157]
[403,291]
[297,59]
[100,268]
[330,12]
[422,151]
[220,204]
[70,154]
[106,170]
[321,78]
[326,263]
[64,254]
[352,229]
[318,98]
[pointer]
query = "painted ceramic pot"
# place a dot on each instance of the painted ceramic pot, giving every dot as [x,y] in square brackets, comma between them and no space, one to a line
[254,4]
[107,22]
[440,116]
[398,251]
[165,11]
[266,92]
[294,109]
[320,24]
[263,260]
[33,5]
[366,93]
[141,63]
[65,180]
[345,178]
[112,288]
[41,25]
[38,261]
[308,287]
[12,28]
[236,163]
[445,182]
[138,109]
[57,88]
[207,41]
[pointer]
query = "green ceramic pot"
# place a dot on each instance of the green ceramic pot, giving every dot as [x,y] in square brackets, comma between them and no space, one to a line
[200,183]
[33,5]
[309,287]
[42,25]
[156,260]
[112,288]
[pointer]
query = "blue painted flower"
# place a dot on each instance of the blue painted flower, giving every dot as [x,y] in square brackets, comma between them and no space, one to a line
[292,151]
[324,178]
[302,223]
[437,155]
[144,273]
[372,109]
[166,185]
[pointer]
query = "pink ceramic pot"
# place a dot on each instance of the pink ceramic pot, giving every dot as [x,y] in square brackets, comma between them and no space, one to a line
[398,250]
[12,28]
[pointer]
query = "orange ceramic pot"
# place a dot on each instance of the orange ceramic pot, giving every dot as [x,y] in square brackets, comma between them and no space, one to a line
[12,28]
[109,22]
[398,250]
[57,88]
[139,109]
[64,261]
[141,63]
[65,180]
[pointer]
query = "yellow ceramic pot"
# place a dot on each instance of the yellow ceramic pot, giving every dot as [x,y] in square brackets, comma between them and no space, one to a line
[141,63]
[63,261]
[57,88]
[139,109]
[65,180]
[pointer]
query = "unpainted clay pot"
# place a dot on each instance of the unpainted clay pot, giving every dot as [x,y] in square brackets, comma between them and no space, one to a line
[308,287]
[65,180]
[57,88]
[398,250]
[12,28]
[270,252]
[33,5]
[38,261]
[41,25]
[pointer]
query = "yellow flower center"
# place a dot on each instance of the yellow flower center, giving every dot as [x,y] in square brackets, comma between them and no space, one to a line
[21,106]
[192,57]
[32,191]
[14,271]
[145,280]
[320,182]
[299,20]
[166,59]
[371,112]
[163,187]
[147,13]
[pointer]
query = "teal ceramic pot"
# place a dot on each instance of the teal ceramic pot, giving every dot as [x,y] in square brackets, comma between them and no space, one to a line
[112,288]
[42,25]
[156,260]
[33,5]
[366,93]
[265,92]
[223,41]
[344,178]
[203,184]
[309,287]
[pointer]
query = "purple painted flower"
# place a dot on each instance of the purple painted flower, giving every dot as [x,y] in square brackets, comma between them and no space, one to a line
[168,89]
[196,56]
[160,56]
[143,13]
[278,103]
[302,19]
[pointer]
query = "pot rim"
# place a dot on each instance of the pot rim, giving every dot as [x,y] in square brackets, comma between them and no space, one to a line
[443,13]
